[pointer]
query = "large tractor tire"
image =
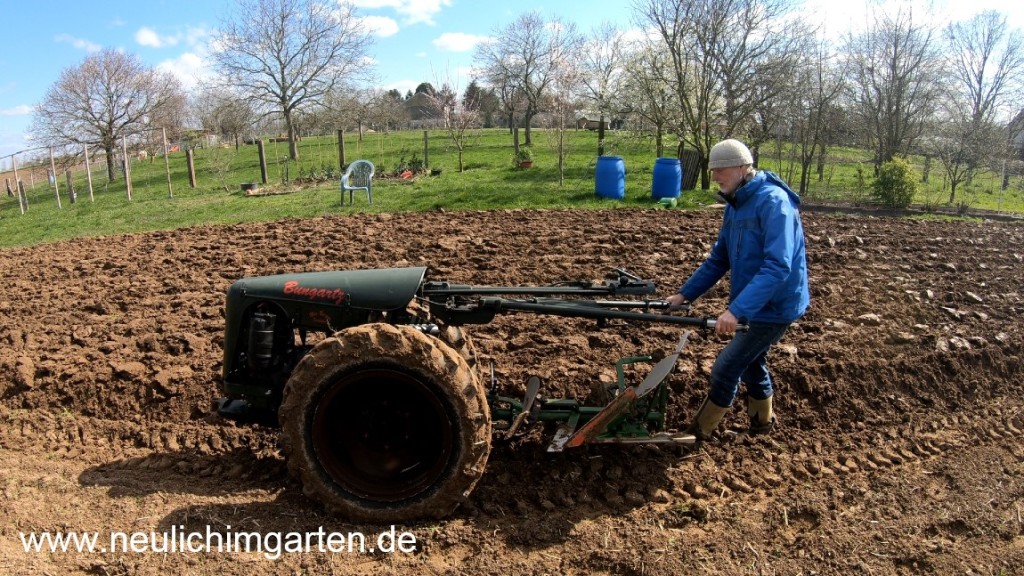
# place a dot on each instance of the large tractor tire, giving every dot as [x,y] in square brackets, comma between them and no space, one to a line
[383,423]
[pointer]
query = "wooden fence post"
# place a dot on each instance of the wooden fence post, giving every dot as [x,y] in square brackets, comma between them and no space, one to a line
[341,149]
[53,172]
[127,167]
[167,165]
[22,197]
[191,165]
[263,160]
[14,164]
[88,171]
[426,153]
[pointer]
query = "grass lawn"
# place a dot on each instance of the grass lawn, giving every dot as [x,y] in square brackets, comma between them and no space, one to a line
[309,187]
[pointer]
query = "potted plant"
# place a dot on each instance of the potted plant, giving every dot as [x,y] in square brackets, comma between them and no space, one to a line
[524,157]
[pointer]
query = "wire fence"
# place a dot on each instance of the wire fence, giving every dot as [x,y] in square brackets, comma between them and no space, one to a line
[33,176]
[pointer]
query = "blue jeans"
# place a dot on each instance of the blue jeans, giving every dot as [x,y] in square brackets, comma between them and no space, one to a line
[745,359]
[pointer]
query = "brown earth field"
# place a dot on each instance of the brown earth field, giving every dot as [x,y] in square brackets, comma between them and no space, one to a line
[899,448]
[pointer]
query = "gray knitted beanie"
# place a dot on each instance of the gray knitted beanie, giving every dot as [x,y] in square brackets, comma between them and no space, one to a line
[728,153]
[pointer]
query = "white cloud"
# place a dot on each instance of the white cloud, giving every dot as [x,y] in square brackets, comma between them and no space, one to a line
[80,43]
[148,37]
[412,11]
[190,69]
[197,36]
[838,18]
[22,110]
[379,25]
[458,42]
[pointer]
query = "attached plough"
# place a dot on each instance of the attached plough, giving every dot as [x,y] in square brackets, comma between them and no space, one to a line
[635,415]
[385,419]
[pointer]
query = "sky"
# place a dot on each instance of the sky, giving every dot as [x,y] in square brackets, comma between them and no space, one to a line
[414,40]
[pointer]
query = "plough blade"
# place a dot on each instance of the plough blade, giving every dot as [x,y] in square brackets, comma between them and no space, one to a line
[623,402]
[532,387]
[662,369]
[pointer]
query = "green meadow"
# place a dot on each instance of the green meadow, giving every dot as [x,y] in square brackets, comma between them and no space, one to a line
[309,187]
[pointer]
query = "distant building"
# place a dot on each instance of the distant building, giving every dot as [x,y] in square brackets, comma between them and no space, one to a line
[592,121]
[419,107]
[1016,134]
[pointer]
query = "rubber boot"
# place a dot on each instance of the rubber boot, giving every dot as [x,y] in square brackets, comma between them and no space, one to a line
[708,416]
[762,417]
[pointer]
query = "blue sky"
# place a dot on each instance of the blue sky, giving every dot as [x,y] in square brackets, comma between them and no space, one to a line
[415,40]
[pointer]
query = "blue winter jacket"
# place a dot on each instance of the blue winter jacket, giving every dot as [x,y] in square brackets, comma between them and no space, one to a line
[762,243]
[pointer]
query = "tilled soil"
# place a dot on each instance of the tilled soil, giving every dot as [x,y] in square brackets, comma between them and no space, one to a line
[899,448]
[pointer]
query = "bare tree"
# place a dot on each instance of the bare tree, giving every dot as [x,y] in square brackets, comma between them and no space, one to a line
[648,92]
[987,64]
[507,88]
[754,68]
[384,110]
[459,115]
[344,107]
[223,113]
[484,100]
[602,59]
[725,63]
[894,78]
[519,65]
[817,87]
[287,54]
[567,78]
[109,96]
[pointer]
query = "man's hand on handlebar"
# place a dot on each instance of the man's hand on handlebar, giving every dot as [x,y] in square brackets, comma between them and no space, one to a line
[726,323]
[677,302]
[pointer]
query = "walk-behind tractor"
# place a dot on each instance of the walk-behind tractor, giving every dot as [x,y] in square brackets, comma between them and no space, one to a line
[375,387]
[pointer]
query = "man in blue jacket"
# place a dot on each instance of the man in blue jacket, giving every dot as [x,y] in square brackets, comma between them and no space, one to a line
[761,245]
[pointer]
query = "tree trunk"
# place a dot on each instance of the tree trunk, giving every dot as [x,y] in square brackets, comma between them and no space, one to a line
[293,144]
[821,163]
[805,173]
[111,172]
[527,120]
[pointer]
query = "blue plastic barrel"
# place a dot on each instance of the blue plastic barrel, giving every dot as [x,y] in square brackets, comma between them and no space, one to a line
[610,177]
[668,178]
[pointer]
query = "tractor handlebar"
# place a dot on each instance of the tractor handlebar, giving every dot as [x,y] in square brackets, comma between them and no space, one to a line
[467,304]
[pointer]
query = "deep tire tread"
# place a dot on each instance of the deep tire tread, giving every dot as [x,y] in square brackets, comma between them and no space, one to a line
[406,346]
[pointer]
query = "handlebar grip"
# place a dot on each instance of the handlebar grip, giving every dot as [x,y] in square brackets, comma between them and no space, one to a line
[710,323]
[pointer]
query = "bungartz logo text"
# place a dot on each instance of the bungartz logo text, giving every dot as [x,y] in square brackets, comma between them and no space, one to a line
[331,295]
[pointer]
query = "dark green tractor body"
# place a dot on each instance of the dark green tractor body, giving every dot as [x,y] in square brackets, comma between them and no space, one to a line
[262,315]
